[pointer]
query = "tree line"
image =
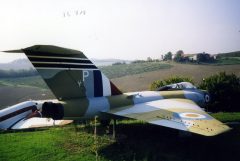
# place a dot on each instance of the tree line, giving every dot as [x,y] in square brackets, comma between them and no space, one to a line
[181,57]
[17,73]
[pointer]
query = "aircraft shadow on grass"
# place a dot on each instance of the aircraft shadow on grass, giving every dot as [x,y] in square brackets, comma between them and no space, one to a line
[149,142]
[23,130]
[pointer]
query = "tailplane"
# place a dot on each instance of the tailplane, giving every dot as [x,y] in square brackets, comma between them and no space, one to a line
[69,73]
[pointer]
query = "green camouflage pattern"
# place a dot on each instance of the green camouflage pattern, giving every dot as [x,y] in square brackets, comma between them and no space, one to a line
[84,91]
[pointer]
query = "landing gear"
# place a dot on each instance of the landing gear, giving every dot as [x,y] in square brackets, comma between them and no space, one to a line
[114,129]
[105,122]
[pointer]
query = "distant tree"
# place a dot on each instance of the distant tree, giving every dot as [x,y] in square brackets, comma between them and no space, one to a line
[168,56]
[179,56]
[162,56]
[156,60]
[138,61]
[149,59]
[200,58]
[186,59]
[119,63]
[204,57]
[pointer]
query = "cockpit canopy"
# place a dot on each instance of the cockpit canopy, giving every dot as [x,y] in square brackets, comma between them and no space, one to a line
[177,86]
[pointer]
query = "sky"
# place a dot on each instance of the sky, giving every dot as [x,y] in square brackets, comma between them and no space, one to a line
[122,29]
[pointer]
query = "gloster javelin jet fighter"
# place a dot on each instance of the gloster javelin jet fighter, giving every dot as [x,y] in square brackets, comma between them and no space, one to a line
[83,92]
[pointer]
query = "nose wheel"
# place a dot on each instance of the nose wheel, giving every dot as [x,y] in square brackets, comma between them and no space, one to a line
[114,129]
[106,123]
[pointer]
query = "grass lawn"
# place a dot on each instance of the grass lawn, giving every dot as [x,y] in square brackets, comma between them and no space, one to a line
[136,141]
[49,144]
[227,116]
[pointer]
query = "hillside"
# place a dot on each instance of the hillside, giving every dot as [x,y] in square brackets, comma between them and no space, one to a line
[228,58]
[197,72]
[17,65]
[23,87]
[116,71]
[230,54]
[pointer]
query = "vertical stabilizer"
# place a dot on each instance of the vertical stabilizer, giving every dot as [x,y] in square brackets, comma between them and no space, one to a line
[69,73]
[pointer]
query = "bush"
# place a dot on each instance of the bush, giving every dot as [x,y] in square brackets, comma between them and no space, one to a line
[224,91]
[175,79]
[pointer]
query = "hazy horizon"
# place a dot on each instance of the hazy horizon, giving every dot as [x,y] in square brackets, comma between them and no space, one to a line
[121,29]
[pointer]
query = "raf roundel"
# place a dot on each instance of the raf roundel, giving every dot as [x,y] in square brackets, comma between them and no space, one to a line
[189,115]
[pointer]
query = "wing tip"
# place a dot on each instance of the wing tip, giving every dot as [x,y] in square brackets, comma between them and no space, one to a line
[212,133]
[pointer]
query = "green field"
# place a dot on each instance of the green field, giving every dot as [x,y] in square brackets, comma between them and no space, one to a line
[33,81]
[227,117]
[135,141]
[116,71]
[228,61]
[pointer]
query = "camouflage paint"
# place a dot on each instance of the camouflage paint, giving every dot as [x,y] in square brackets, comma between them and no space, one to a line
[120,101]
[75,108]
[68,73]
[85,92]
[168,115]
[172,94]
[70,83]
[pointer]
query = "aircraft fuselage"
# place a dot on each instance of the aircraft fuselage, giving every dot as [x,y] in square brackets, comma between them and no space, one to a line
[86,108]
[90,107]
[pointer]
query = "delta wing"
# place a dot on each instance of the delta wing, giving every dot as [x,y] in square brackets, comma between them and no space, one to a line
[181,114]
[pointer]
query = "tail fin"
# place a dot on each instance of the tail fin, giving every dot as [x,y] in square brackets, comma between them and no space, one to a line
[69,73]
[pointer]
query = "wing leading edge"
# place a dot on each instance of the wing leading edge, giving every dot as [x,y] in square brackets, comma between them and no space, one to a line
[181,114]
